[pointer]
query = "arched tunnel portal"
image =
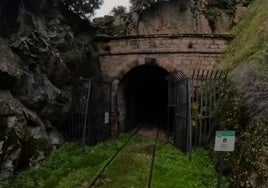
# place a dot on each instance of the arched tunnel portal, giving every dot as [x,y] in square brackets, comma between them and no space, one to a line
[144,93]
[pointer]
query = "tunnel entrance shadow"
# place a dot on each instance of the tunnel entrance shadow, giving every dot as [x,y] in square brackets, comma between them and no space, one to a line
[145,94]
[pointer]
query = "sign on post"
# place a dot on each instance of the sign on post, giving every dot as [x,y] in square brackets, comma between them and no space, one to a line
[106,117]
[224,141]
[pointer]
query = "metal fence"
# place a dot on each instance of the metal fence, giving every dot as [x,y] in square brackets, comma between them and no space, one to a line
[89,122]
[192,102]
[206,94]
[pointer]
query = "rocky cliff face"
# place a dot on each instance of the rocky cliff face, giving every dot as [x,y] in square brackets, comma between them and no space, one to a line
[173,17]
[42,50]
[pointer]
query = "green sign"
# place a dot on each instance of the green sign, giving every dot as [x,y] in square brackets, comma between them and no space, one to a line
[224,141]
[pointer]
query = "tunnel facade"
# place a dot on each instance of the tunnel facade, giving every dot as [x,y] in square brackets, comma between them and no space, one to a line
[125,60]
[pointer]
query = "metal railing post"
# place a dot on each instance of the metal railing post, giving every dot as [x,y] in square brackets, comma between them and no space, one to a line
[86,115]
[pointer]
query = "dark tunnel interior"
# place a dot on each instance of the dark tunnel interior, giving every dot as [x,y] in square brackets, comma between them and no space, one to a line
[146,95]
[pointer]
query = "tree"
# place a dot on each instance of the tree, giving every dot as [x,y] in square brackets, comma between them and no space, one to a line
[222,4]
[84,8]
[139,5]
[118,10]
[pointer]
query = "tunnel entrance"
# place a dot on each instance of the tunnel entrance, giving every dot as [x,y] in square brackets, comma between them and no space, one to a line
[145,96]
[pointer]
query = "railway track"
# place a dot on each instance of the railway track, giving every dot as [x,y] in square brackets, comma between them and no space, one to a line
[153,157]
[141,130]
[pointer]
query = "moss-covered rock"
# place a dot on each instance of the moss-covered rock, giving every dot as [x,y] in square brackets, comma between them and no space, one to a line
[10,152]
[245,107]
[42,50]
[112,26]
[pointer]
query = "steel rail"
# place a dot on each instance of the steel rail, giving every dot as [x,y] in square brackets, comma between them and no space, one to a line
[153,159]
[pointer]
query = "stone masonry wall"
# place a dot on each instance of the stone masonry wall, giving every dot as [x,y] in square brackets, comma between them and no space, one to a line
[117,66]
[172,52]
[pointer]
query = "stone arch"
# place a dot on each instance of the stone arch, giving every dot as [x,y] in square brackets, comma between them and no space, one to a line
[166,64]
[169,66]
[126,67]
[118,101]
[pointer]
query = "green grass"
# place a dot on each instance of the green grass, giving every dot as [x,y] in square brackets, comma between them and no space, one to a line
[174,169]
[71,167]
[131,168]
[251,37]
